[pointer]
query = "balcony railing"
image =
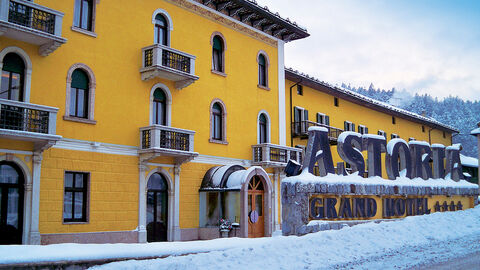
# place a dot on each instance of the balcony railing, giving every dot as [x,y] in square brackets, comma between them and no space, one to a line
[32,23]
[300,129]
[167,63]
[28,122]
[272,155]
[167,141]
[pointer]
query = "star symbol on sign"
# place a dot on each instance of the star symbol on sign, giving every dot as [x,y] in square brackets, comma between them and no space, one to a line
[459,205]
[437,207]
[444,206]
[452,206]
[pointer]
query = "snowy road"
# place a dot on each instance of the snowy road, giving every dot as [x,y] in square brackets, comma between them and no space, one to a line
[421,242]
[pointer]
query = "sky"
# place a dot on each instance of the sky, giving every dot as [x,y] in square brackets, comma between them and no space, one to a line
[422,46]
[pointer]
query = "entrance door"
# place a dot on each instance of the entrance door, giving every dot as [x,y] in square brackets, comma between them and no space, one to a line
[157,208]
[256,221]
[11,204]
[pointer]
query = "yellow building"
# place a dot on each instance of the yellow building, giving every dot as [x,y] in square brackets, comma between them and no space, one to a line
[122,122]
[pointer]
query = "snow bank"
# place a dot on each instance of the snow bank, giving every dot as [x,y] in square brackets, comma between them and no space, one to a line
[468,161]
[417,238]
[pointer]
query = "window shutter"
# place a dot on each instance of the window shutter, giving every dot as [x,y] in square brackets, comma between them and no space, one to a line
[217,43]
[296,115]
[13,63]
[353,127]
[345,126]
[79,79]
[366,130]
[327,120]
[305,115]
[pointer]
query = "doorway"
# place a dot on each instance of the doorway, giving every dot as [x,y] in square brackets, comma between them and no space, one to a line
[256,220]
[11,203]
[157,208]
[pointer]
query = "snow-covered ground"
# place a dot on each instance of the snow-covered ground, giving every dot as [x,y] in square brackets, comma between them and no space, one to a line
[412,242]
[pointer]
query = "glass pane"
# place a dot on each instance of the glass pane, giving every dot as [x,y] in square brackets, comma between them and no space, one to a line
[259,204]
[157,182]
[78,208]
[81,103]
[249,203]
[5,84]
[162,207]
[150,208]
[76,15]
[68,180]
[8,174]
[67,205]
[163,36]
[12,207]
[85,15]
[16,87]
[79,180]
[73,101]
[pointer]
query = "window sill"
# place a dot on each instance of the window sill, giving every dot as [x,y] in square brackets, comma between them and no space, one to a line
[263,87]
[74,222]
[218,141]
[80,120]
[84,31]
[219,73]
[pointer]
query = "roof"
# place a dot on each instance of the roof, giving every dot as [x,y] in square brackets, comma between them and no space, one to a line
[354,97]
[260,18]
[468,161]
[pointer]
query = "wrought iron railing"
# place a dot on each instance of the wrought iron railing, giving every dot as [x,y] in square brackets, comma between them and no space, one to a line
[27,117]
[30,17]
[163,137]
[301,129]
[175,61]
[161,55]
[271,154]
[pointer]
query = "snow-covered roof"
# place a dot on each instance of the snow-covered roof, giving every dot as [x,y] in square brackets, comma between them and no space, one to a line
[468,161]
[475,132]
[370,102]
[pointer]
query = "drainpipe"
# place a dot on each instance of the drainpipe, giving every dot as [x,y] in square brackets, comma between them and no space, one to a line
[430,136]
[291,112]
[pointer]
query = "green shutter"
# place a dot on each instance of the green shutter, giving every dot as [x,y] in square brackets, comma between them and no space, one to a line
[79,79]
[217,43]
[160,20]
[13,63]
[159,95]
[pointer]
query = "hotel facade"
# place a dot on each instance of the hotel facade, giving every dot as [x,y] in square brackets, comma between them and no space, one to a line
[122,122]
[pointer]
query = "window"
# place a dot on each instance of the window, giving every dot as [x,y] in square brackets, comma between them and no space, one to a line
[444,134]
[84,14]
[349,126]
[335,101]
[80,94]
[263,128]
[300,124]
[382,133]
[218,54]
[411,139]
[159,107]
[75,197]
[12,77]
[300,89]
[323,119]
[161,30]
[394,136]
[263,62]
[362,129]
[423,128]
[218,122]
[393,120]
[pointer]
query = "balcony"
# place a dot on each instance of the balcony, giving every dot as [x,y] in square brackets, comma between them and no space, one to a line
[28,122]
[272,155]
[173,142]
[32,23]
[167,63]
[300,129]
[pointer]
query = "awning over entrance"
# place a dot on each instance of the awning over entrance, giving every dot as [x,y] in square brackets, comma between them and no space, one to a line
[228,177]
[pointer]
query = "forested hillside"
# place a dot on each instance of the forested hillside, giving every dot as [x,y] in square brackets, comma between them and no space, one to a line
[454,111]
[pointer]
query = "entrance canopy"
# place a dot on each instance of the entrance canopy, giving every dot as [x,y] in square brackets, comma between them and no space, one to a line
[229,177]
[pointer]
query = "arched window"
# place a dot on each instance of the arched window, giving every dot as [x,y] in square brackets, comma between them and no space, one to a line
[161,30]
[13,76]
[217,122]
[262,129]
[217,54]
[262,71]
[159,107]
[79,94]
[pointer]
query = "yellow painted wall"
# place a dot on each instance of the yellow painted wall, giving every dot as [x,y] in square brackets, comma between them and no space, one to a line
[113,191]
[122,98]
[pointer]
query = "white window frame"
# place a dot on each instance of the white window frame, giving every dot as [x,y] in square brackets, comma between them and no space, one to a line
[268,126]
[350,126]
[168,95]
[165,14]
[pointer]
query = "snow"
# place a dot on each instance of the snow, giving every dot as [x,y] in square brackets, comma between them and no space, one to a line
[343,135]
[437,145]
[373,136]
[455,146]
[324,129]
[308,178]
[475,131]
[409,243]
[392,144]
[422,143]
[468,161]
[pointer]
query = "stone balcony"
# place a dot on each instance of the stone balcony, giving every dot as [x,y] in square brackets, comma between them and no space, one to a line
[167,63]
[300,130]
[273,155]
[28,122]
[158,140]
[32,23]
